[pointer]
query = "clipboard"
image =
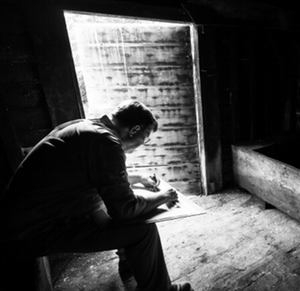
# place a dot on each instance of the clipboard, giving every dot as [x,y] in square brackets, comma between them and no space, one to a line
[183,208]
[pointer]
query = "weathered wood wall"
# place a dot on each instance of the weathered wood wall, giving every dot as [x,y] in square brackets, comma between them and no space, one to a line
[32,99]
[118,59]
[24,115]
[243,73]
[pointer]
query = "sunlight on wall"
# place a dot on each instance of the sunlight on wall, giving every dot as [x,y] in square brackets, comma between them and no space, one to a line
[124,58]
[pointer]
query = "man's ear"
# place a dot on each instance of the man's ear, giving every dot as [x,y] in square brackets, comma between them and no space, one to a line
[135,129]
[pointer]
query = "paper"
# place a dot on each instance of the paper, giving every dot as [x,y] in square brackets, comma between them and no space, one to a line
[183,208]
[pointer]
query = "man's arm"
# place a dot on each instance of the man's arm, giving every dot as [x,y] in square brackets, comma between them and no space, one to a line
[134,178]
[101,218]
[146,180]
[108,174]
[152,201]
[156,199]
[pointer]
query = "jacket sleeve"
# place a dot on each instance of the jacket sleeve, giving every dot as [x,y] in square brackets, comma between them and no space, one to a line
[107,172]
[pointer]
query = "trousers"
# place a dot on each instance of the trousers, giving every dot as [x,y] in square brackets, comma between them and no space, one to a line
[141,243]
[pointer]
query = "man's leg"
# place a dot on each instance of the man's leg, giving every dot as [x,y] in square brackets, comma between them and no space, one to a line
[142,246]
[124,270]
[143,251]
[150,270]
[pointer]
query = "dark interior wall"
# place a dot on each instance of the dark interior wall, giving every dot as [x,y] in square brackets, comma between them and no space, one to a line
[249,62]
[23,112]
[37,88]
[249,59]
[258,77]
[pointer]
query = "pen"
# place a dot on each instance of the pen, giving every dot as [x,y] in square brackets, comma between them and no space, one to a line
[157,181]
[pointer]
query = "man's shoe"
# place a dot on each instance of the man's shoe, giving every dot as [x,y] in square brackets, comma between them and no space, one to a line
[181,287]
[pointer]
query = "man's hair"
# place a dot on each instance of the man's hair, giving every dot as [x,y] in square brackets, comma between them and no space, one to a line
[130,113]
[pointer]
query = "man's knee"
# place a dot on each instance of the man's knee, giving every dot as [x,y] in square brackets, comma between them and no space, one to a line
[149,229]
[148,235]
[141,235]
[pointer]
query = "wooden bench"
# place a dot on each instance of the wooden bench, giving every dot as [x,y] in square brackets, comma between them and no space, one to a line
[26,274]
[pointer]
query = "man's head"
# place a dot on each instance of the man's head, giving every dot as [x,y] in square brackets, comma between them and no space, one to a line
[135,123]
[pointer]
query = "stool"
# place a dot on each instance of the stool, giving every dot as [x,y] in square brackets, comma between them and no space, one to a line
[25,274]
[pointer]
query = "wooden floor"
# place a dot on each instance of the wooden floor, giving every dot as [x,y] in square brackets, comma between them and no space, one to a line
[236,245]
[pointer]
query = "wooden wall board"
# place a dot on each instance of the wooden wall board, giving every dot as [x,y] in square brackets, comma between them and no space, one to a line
[184,177]
[211,108]
[11,18]
[151,96]
[19,71]
[137,76]
[8,136]
[120,30]
[25,95]
[19,78]
[15,47]
[5,168]
[170,155]
[137,55]
[49,39]
[30,119]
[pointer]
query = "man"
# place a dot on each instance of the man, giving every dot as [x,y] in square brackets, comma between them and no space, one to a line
[53,204]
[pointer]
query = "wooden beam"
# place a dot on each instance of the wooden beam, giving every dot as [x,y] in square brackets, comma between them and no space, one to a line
[144,9]
[272,180]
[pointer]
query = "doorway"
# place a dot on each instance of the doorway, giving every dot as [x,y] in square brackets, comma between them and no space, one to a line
[155,62]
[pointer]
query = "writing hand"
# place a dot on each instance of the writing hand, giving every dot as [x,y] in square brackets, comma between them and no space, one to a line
[151,182]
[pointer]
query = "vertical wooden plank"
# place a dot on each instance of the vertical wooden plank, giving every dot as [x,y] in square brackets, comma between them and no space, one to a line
[234,86]
[256,94]
[280,80]
[210,103]
[199,108]
[50,42]
[224,66]
[43,275]
[296,45]
[13,149]
[244,100]
[257,88]
[24,108]
[252,86]
[5,168]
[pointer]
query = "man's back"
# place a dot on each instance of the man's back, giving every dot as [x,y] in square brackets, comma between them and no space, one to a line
[53,182]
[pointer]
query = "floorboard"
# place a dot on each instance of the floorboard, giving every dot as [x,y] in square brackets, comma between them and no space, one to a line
[236,245]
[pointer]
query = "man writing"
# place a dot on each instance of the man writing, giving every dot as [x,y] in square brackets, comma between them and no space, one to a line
[53,203]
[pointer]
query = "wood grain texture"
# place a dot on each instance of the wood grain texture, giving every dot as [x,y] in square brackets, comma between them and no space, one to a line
[271,180]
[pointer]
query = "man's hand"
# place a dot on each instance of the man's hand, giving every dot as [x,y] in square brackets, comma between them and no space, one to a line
[171,195]
[150,182]
[165,195]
